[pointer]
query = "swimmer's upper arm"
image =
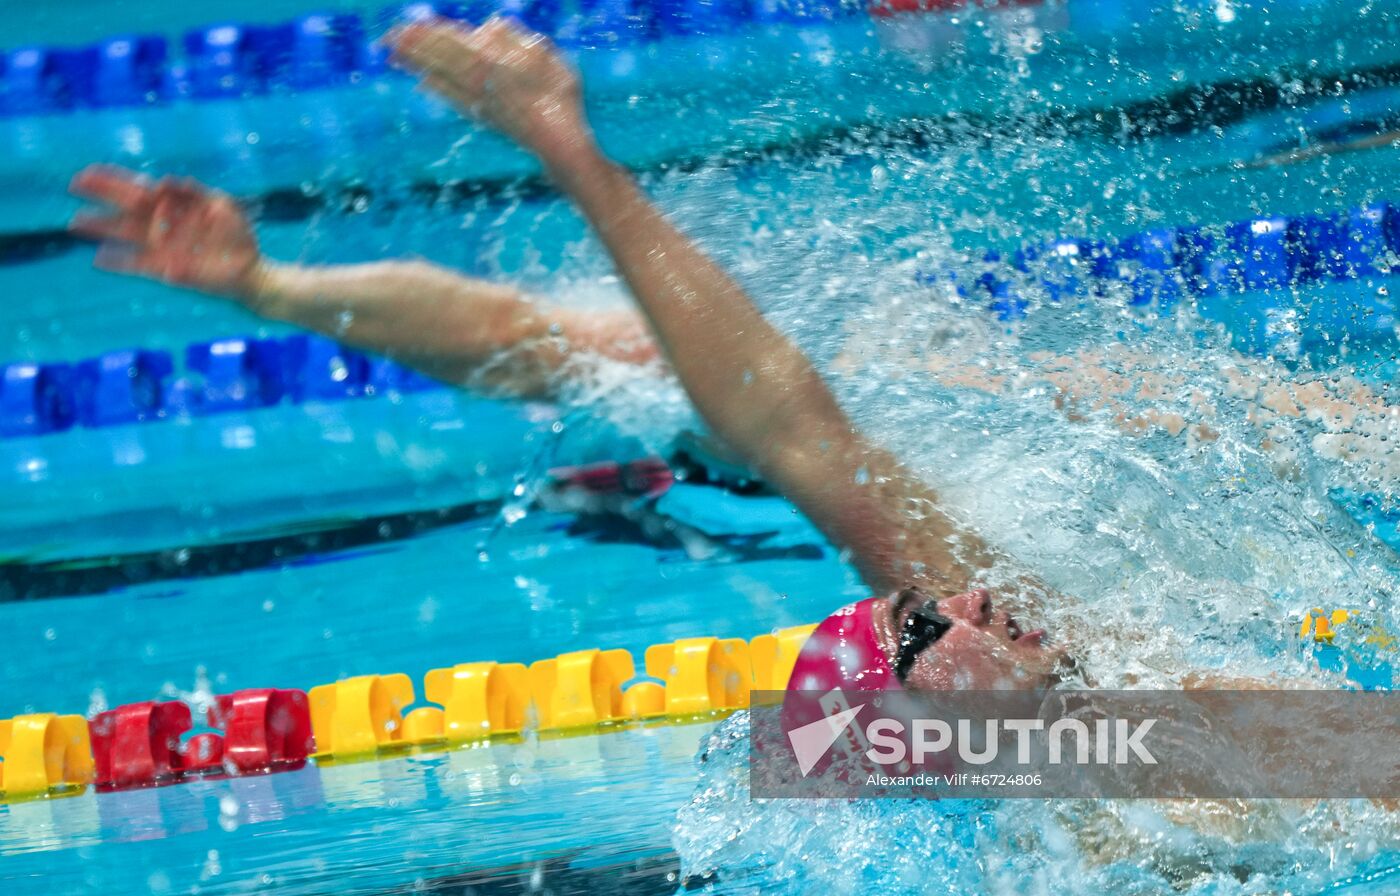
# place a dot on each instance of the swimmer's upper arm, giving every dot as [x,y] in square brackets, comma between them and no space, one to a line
[456,328]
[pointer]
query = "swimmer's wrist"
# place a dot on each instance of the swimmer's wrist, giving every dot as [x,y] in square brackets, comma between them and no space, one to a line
[262,287]
[571,159]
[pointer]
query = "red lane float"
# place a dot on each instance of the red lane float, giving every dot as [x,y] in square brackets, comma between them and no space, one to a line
[264,728]
[138,745]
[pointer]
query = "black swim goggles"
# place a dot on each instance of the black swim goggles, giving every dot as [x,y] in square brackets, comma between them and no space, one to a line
[922,628]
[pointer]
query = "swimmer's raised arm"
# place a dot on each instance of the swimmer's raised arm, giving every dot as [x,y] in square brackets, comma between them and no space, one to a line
[756,390]
[456,328]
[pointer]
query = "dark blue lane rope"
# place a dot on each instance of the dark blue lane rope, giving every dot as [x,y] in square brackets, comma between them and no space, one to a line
[1188,110]
[329,50]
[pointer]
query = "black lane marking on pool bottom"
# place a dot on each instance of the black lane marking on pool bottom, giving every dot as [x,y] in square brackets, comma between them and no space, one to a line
[35,245]
[649,876]
[1190,109]
[338,540]
[96,575]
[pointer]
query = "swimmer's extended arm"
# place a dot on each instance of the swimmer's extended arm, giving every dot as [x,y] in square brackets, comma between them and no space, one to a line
[458,329]
[452,327]
[756,390]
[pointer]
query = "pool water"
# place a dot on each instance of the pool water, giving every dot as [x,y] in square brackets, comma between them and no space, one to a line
[830,167]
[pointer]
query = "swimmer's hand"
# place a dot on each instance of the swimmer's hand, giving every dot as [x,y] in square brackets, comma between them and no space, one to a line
[510,78]
[173,230]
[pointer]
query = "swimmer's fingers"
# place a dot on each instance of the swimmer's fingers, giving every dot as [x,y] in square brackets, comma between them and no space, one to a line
[124,259]
[462,81]
[161,218]
[121,258]
[115,186]
[185,193]
[456,52]
[434,46]
[175,203]
[105,228]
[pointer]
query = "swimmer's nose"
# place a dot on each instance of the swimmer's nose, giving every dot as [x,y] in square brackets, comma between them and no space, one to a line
[974,607]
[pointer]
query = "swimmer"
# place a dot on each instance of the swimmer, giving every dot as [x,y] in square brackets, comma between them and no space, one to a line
[761,397]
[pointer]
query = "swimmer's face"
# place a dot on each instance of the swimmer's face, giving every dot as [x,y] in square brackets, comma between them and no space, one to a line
[985,649]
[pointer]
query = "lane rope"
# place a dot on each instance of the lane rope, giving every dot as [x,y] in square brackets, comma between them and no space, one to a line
[474,704]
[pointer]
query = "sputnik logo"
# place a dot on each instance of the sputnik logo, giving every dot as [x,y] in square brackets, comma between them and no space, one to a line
[811,741]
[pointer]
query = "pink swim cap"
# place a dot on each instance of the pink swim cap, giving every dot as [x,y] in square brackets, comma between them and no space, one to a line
[843,656]
[844,652]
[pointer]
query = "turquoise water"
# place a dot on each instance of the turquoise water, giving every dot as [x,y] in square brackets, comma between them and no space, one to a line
[837,169]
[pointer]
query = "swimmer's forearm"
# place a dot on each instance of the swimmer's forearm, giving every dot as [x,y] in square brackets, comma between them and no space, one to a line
[455,328]
[412,311]
[739,370]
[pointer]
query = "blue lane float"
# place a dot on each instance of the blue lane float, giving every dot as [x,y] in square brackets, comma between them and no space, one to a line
[1161,266]
[121,387]
[237,374]
[219,376]
[129,71]
[36,399]
[44,79]
[321,370]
